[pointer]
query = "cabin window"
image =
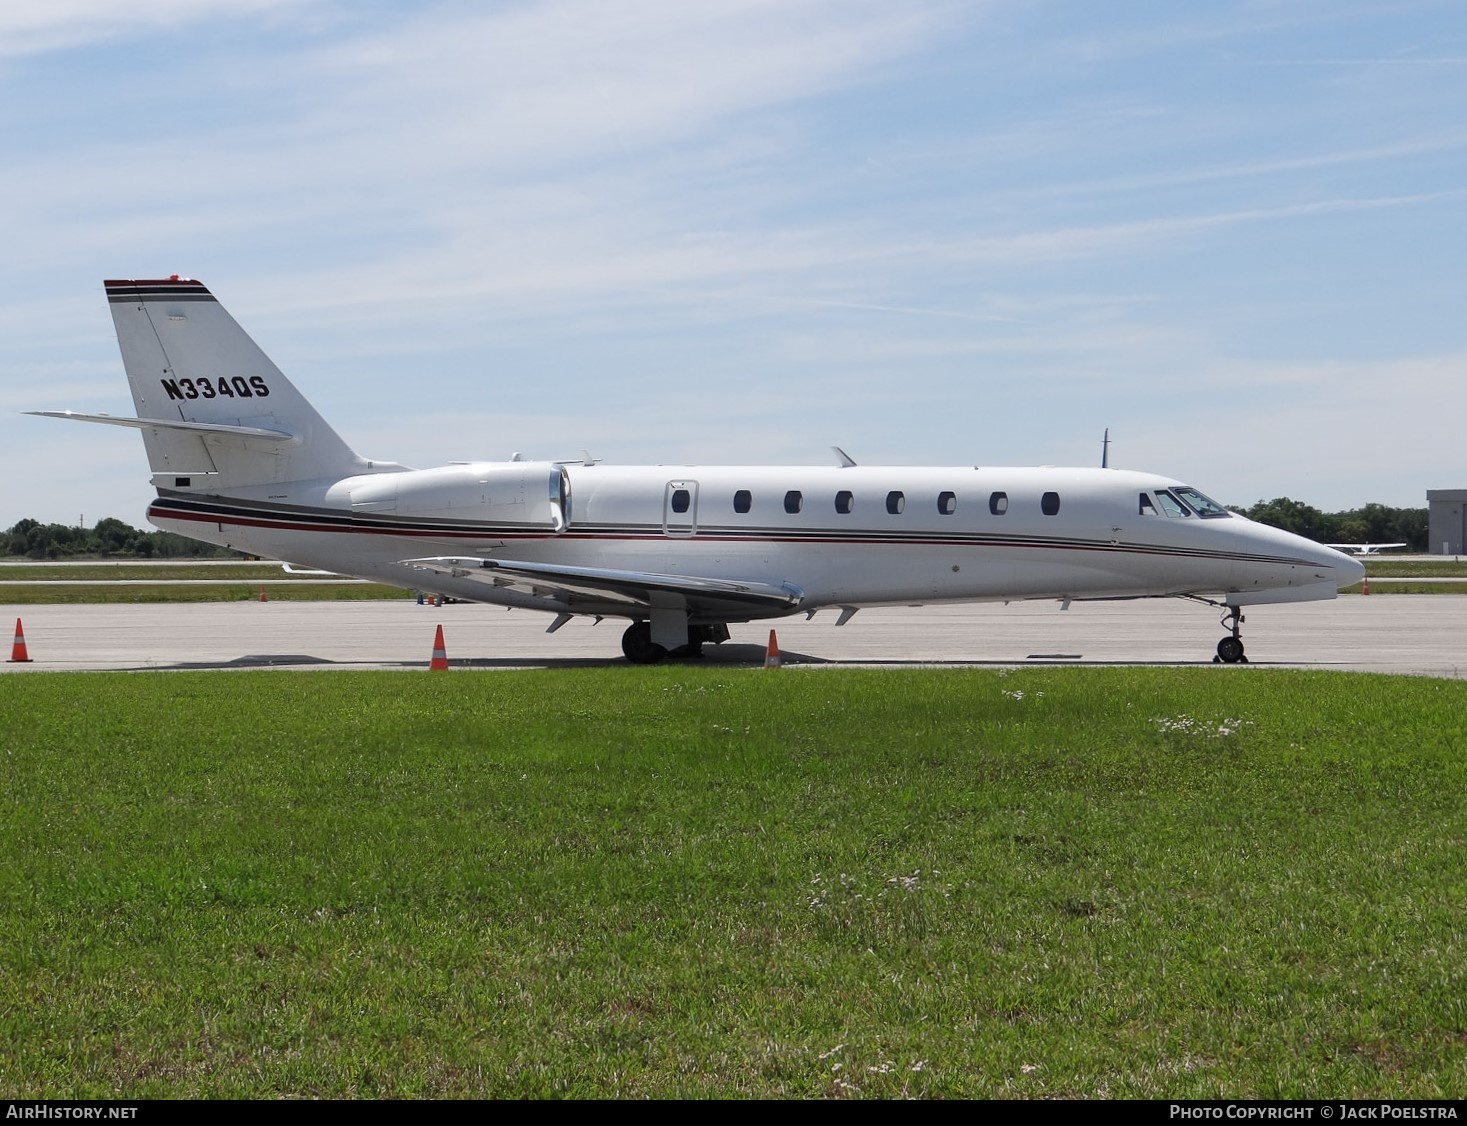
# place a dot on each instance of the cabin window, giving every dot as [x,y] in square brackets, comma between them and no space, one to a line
[1204,506]
[793,501]
[1049,504]
[998,503]
[743,500]
[947,503]
[1145,507]
[1170,504]
[681,500]
[844,501]
[895,502]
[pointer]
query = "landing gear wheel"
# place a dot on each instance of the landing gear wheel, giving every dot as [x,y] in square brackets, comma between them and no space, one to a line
[699,636]
[638,646]
[1230,649]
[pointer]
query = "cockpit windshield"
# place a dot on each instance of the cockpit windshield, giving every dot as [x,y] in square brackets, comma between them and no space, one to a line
[1170,504]
[1203,505]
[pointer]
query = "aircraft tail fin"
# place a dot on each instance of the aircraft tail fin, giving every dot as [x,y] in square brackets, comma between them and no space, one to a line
[214,411]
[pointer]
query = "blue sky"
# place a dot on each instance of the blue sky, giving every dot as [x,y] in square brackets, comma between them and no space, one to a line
[743,232]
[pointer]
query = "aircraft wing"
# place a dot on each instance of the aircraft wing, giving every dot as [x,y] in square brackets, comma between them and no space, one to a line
[589,590]
[1363,548]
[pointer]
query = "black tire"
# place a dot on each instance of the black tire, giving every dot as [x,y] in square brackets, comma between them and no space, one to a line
[638,646]
[1230,649]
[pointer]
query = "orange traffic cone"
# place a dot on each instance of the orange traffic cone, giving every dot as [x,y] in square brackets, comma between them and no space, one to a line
[440,655]
[18,654]
[262,595]
[1365,585]
[771,654]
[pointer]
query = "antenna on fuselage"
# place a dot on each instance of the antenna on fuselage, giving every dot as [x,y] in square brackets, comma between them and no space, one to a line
[1105,450]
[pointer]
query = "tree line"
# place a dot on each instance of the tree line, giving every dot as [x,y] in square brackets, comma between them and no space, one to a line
[107,539]
[112,539]
[1375,523]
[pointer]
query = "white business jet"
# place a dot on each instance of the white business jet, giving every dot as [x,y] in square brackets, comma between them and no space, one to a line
[240,458]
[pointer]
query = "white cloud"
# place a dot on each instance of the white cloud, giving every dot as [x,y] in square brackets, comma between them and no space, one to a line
[58,25]
[743,231]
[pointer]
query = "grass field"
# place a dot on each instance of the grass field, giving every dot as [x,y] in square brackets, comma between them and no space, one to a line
[66,593]
[1444,568]
[133,581]
[689,883]
[1413,576]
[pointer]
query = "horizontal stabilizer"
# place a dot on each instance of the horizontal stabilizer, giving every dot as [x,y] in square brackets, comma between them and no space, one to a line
[631,589]
[223,430]
[292,569]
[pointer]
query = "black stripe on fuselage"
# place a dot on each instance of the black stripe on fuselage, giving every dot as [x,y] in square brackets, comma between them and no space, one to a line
[151,296]
[170,289]
[263,514]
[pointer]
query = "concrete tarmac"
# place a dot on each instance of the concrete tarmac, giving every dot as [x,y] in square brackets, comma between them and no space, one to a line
[1423,635]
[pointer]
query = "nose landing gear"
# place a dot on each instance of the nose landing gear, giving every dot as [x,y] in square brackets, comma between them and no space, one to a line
[1230,649]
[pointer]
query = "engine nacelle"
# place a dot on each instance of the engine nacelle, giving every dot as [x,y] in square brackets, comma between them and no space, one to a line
[517,494]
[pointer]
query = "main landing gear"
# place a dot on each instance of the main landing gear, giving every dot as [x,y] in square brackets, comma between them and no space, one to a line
[639,648]
[1230,649]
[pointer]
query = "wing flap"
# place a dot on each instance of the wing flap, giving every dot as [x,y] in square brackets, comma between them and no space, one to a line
[594,588]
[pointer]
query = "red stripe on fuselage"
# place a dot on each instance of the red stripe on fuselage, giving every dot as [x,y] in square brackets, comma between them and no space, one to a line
[505,534]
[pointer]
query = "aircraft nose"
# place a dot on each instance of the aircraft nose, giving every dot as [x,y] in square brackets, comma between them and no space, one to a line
[1343,569]
[1311,562]
[1346,570]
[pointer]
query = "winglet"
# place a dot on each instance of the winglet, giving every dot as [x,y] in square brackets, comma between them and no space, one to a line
[846,460]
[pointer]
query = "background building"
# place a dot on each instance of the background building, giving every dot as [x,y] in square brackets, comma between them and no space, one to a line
[1446,521]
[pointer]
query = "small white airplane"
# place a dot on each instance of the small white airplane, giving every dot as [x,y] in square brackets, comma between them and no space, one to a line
[1364,548]
[240,458]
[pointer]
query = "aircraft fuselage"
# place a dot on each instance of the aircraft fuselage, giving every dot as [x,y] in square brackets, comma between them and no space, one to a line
[839,536]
